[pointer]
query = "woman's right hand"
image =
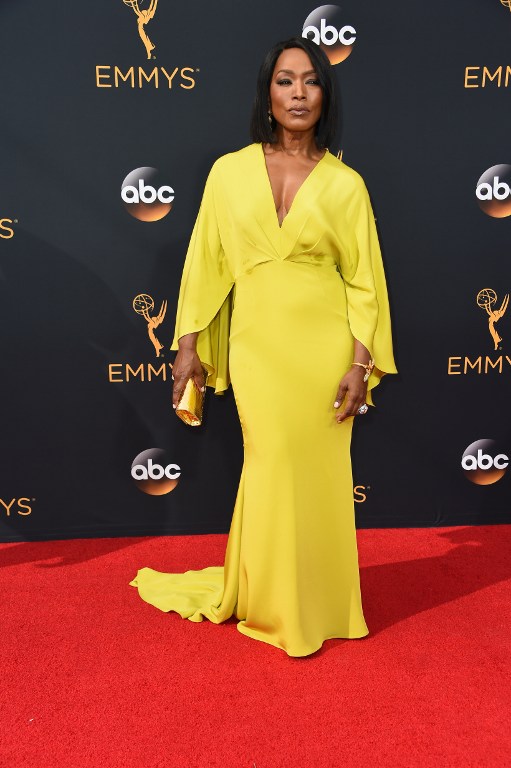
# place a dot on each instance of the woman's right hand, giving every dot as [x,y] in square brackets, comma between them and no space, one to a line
[187,365]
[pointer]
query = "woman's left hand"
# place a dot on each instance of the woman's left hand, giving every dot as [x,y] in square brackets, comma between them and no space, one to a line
[354,389]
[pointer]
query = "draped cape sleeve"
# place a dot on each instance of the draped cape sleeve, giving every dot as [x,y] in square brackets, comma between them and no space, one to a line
[204,303]
[361,267]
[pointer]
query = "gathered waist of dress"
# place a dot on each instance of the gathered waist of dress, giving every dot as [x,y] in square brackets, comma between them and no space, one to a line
[304,259]
[314,259]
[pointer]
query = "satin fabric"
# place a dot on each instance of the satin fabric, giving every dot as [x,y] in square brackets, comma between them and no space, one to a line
[277,309]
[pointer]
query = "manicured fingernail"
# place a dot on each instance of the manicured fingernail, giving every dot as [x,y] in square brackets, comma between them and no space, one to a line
[336,404]
[202,389]
[173,406]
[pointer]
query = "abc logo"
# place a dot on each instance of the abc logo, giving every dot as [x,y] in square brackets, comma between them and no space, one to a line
[153,473]
[325,27]
[144,196]
[483,463]
[493,191]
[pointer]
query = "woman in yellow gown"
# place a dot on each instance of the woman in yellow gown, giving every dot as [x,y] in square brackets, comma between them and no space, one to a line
[283,294]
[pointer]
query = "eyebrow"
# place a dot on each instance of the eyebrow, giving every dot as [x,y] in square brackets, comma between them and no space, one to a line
[292,72]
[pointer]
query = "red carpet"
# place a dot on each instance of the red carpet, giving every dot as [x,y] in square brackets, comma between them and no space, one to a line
[92,676]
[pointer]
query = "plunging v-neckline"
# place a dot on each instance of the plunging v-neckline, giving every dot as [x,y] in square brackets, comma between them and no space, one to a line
[311,172]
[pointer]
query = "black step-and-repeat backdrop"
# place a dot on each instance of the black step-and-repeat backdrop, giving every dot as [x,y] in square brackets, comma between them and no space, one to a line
[112,114]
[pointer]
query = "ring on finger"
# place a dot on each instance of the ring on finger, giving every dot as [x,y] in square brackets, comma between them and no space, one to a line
[363,409]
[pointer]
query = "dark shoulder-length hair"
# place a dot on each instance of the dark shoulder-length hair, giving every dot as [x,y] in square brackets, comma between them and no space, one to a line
[261,130]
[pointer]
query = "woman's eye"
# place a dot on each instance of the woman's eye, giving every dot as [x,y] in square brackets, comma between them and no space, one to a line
[284,82]
[312,82]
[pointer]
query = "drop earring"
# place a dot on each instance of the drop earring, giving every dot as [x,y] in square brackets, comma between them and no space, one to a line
[270,117]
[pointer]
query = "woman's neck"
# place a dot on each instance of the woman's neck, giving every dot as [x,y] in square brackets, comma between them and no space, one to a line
[295,143]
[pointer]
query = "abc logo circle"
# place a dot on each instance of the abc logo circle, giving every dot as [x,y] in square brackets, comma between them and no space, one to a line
[145,196]
[325,26]
[483,462]
[493,191]
[153,473]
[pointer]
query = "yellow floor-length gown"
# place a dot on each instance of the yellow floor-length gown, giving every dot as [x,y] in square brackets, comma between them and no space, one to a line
[284,337]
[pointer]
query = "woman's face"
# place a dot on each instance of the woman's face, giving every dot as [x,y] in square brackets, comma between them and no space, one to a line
[296,96]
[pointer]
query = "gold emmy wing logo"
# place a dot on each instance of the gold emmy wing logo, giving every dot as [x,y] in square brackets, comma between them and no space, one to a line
[143,305]
[486,299]
[144,16]
[506,4]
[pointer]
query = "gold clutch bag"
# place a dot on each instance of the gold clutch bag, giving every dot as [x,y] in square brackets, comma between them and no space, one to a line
[191,405]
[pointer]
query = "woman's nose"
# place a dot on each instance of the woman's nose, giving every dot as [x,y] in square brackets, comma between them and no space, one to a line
[299,91]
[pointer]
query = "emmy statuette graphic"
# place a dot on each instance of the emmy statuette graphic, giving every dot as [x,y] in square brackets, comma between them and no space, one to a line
[486,298]
[143,304]
[506,4]
[144,16]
